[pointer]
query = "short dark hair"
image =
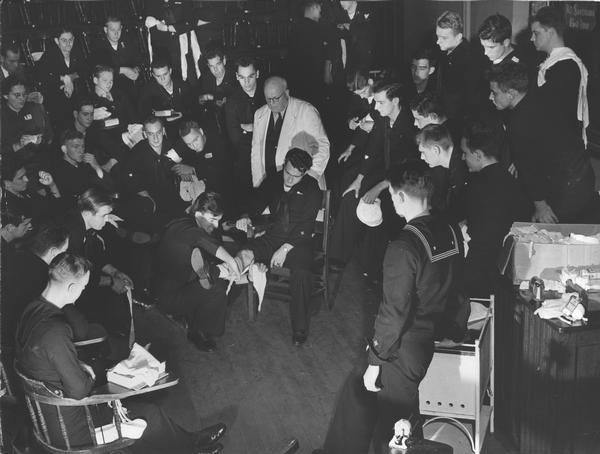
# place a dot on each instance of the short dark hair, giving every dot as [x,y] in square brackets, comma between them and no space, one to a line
[151,120]
[452,20]
[412,177]
[10,82]
[392,90]
[214,50]
[306,4]
[93,199]
[82,100]
[486,135]
[495,28]
[208,202]
[299,159]
[70,134]
[9,46]
[425,53]
[67,266]
[48,236]
[550,17]
[64,29]
[244,61]
[433,134]
[187,126]
[158,63]
[428,103]
[509,75]
[112,18]
[98,69]
[357,79]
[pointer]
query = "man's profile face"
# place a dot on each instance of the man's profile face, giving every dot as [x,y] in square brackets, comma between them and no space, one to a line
[217,66]
[420,70]
[493,50]
[421,121]
[291,176]
[154,132]
[208,221]
[85,116]
[16,97]
[469,156]
[113,31]
[73,150]
[98,220]
[446,39]
[347,4]
[10,61]
[541,37]
[430,154]
[383,104]
[277,97]
[162,76]
[247,77]
[19,182]
[501,99]
[195,140]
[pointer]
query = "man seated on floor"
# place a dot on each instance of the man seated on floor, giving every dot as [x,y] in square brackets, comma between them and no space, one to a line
[183,284]
[45,352]
[421,296]
[288,241]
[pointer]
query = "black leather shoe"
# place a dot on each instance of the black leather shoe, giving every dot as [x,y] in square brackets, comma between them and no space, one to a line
[299,338]
[210,435]
[202,341]
[214,449]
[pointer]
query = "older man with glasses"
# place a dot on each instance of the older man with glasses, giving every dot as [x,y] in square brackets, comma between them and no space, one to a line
[284,123]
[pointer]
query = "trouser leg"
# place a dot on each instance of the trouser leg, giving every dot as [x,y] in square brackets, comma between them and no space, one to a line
[346,230]
[399,395]
[353,421]
[299,261]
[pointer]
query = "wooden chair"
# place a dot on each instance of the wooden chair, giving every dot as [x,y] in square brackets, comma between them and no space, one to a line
[279,278]
[37,394]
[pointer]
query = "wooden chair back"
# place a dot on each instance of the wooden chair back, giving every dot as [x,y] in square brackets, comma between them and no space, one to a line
[38,395]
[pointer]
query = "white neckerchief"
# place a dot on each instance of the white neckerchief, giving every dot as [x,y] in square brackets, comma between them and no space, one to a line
[564,53]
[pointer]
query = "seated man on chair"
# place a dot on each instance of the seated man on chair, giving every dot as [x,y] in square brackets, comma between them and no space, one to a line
[288,240]
[45,352]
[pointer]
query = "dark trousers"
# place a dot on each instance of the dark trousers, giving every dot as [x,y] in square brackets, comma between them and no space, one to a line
[571,193]
[361,415]
[204,309]
[298,260]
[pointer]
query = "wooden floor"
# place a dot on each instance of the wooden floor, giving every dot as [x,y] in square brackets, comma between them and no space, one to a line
[265,389]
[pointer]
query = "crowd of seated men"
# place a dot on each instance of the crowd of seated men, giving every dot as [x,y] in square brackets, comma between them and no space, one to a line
[134,179]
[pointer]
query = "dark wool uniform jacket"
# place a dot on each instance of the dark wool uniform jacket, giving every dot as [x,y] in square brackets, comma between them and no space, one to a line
[421,275]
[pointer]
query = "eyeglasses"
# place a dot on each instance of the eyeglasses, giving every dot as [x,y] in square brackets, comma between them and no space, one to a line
[275,99]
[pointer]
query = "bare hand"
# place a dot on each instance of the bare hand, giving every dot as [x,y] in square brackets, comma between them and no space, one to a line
[248,127]
[88,369]
[543,213]
[367,125]
[173,156]
[121,282]
[279,256]
[161,26]
[36,97]
[346,154]
[90,159]
[371,195]
[354,187]
[45,178]
[23,228]
[183,170]
[206,97]
[243,224]
[353,123]
[370,377]
[67,86]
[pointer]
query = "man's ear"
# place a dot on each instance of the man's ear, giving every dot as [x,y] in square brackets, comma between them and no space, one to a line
[105,30]
[56,41]
[224,60]
[478,155]
[257,73]
[63,148]
[431,70]
[437,149]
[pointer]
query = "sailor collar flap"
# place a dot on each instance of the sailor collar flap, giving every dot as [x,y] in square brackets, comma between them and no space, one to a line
[438,242]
